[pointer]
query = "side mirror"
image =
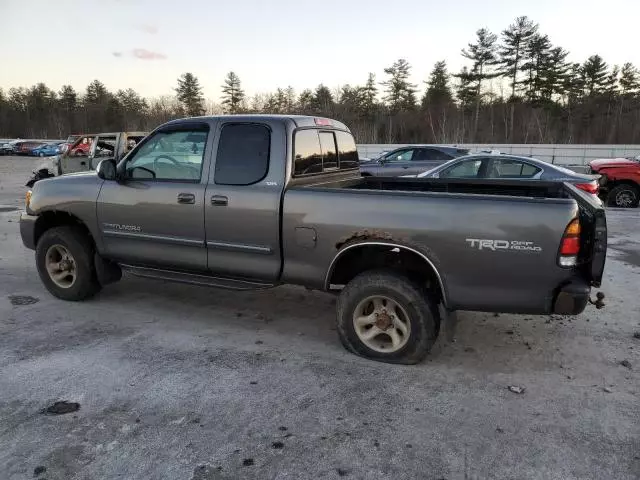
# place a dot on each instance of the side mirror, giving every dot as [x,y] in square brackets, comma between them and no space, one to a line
[107,169]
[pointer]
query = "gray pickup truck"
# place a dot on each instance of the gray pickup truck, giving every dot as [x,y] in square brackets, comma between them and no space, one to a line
[249,202]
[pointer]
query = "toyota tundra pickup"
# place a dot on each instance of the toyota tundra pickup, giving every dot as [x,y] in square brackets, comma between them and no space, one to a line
[250,202]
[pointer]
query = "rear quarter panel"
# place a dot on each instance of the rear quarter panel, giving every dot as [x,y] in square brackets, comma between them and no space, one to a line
[447,228]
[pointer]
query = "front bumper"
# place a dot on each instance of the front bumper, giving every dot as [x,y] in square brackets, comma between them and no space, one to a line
[28,230]
[572,298]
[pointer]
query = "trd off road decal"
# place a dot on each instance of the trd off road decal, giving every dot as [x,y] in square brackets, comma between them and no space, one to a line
[124,228]
[502,245]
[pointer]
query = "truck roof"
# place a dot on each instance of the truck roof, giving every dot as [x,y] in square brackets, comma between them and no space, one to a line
[299,120]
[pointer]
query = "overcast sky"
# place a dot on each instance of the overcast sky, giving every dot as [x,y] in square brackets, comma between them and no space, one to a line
[147,44]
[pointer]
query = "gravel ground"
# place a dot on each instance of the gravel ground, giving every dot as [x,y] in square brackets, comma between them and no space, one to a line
[181,382]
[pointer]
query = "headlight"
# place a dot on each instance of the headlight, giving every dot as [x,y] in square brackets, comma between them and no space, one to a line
[27,199]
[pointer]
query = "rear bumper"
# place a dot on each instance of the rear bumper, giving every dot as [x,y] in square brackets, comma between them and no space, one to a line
[27,230]
[572,298]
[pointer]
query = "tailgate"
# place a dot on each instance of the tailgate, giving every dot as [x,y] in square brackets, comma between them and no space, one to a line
[594,239]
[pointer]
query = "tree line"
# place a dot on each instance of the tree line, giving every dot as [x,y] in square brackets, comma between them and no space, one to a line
[516,87]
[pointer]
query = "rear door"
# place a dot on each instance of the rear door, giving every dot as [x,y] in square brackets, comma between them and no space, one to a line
[242,202]
[427,158]
[512,169]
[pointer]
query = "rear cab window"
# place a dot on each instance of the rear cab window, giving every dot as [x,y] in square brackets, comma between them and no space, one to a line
[317,151]
[243,154]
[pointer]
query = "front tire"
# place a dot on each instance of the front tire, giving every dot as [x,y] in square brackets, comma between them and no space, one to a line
[41,154]
[624,196]
[64,258]
[384,316]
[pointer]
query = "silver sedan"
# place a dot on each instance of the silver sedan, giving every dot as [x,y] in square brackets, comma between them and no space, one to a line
[509,167]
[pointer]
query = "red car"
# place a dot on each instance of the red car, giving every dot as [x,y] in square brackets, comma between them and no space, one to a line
[620,180]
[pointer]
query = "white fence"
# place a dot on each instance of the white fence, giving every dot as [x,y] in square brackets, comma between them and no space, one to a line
[557,154]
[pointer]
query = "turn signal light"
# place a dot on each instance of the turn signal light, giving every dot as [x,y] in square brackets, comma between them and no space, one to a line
[570,245]
[27,199]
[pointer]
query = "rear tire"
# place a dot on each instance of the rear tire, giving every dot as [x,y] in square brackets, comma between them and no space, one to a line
[383,316]
[624,196]
[67,250]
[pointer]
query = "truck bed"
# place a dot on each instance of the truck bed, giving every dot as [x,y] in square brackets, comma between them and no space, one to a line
[443,219]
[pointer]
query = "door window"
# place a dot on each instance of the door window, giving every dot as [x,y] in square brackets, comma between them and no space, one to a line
[506,168]
[170,156]
[399,156]
[243,154]
[431,154]
[465,169]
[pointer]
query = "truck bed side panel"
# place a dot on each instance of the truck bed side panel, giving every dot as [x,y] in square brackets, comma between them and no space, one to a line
[492,253]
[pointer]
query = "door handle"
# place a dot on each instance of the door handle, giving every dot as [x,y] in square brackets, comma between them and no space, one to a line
[219,200]
[186,198]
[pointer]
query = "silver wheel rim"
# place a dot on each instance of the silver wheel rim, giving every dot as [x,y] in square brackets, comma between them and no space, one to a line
[625,198]
[61,266]
[381,324]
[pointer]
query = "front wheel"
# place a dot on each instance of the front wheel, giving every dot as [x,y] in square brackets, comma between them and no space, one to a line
[41,154]
[64,257]
[383,316]
[624,196]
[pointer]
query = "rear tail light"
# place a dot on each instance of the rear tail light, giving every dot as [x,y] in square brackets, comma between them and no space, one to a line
[591,187]
[570,245]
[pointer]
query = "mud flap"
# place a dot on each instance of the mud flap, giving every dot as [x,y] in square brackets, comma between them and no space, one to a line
[106,271]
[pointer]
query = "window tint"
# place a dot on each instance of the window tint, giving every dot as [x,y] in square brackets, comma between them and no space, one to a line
[468,169]
[170,155]
[431,154]
[505,168]
[347,150]
[399,156]
[308,155]
[243,154]
[329,152]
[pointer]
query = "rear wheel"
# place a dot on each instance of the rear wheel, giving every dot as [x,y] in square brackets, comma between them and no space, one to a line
[624,196]
[64,257]
[384,316]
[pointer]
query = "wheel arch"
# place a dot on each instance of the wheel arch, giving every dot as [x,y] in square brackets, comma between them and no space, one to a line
[357,257]
[57,218]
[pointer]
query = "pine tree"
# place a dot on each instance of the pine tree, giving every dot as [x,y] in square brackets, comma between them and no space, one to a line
[465,90]
[574,83]
[483,55]
[536,60]
[68,98]
[400,93]
[97,93]
[305,101]
[232,93]
[438,91]
[595,75]
[189,94]
[611,82]
[553,76]
[370,94]
[629,79]
[322,99]
[511,54]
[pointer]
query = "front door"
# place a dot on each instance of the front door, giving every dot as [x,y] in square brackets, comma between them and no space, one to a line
[242,207]
[155,216]
[397,163]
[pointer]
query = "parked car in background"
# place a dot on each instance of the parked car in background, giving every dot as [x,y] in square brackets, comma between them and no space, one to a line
[46,150]
[25,147]
[103,145]
[619,181]
[8,148]
[499,166]
[411,159]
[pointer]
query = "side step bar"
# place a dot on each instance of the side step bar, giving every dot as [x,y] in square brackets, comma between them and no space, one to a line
[195,279]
